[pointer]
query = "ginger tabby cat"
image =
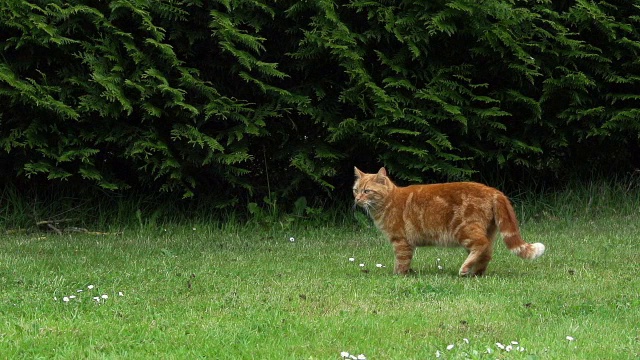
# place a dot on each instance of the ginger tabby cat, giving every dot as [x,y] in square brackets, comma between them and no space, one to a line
[452,214]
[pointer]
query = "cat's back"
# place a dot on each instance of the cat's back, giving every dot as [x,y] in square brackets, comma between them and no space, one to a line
[445,194]
[451,189]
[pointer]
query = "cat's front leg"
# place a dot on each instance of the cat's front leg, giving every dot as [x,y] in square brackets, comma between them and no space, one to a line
[404,253]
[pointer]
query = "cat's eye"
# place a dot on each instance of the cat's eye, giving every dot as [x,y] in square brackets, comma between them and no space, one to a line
[365,191]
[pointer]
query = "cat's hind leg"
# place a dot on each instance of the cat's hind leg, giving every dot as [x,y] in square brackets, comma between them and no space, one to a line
[480,252]
[482,261]
[404,253]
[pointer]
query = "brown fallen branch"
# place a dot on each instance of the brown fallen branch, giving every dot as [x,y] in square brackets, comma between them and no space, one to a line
[53,222]
[51,225]
[85,231]
[54,225]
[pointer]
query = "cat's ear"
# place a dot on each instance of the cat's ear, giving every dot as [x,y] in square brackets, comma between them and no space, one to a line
[381,176]
[358,173]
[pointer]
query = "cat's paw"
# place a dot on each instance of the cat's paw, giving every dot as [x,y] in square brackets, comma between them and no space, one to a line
[404,272]
[465,272]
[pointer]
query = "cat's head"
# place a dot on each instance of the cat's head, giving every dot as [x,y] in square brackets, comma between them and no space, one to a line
[370,190]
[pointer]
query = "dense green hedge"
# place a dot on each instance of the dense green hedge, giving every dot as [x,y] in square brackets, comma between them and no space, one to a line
[244,98]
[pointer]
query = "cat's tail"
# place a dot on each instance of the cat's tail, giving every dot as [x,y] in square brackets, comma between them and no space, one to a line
[505,218]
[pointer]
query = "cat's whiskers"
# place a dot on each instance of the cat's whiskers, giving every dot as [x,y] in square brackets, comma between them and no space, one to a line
[367,206]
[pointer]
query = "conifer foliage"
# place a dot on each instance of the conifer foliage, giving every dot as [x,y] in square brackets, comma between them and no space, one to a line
[261,98]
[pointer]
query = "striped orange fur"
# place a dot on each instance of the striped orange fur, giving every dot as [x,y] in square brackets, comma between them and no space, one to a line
[463,214]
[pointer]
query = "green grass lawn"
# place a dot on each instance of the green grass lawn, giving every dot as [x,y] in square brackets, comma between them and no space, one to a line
[236,292]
